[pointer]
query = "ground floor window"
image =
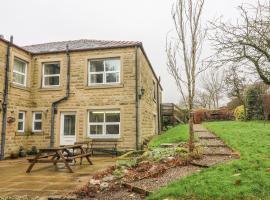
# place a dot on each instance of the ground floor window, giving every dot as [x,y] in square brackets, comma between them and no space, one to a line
[37,122]
[21,121]
[104,124]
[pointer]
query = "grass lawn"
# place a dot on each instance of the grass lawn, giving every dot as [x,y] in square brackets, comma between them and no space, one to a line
[173,135]
[246,178]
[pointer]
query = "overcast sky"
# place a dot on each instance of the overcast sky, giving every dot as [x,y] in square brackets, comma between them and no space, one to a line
[40,21]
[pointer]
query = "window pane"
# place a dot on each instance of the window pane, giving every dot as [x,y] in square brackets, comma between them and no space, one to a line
[38,116]
[96,117]
[69,125]
[112,77]
[21,116]
[96,78]
[37,126]
[96,66]
[112,129]
[20,126]
[112,117]
[96,130]
[112,65]
[18,78]
[52,68]
[19,66]
[54,80]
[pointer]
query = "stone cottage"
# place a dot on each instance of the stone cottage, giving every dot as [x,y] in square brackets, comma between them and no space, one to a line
[64,92]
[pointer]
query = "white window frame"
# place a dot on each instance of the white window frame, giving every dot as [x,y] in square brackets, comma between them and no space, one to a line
[104,72]
[36,120]
[104,123]
[21,120]
[50,75]
[20,73]
[154,91]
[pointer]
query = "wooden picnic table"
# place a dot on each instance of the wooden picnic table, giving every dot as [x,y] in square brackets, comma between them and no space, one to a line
[62,154]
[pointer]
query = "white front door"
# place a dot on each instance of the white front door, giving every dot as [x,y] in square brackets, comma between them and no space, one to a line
[68,128]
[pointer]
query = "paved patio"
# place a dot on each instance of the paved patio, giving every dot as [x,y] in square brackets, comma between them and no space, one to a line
[45,179]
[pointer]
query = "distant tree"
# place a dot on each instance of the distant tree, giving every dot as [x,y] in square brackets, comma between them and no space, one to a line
[184,50]
[213,85]
[234,103]
[235,83]
[245,42]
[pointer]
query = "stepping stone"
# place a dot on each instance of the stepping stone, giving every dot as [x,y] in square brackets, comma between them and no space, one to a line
[217,151]
[212,143]
[208,161]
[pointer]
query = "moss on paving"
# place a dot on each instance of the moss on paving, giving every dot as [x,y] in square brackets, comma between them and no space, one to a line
[246,178]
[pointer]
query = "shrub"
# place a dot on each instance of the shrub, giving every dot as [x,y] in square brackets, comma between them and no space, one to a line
[239,113]
[254,102]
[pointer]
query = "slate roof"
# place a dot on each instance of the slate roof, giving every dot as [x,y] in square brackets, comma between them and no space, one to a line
[77,45]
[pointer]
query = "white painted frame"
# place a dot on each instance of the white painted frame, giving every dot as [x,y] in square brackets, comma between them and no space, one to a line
[104,124]
[20,73]
[63,138]
[21,120]
[36,120]
[104,72]
[50,75]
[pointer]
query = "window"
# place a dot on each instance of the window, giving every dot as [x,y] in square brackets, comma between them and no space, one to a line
[19,72]
[21,121]
[104,71]
[51,74]
[37,122]
[104,124]
[154,91]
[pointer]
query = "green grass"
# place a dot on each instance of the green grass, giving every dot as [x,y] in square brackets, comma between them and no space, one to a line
[245,178]
[173,135]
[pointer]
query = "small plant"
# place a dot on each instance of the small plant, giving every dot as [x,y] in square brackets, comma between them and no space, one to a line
[32,151]
[22,152]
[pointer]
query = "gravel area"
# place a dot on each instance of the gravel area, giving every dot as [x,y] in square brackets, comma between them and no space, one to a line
[209,161]
[123,194]
[206,142]
[169,176]
[217,150]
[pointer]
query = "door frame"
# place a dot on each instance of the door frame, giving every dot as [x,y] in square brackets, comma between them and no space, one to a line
[61,136]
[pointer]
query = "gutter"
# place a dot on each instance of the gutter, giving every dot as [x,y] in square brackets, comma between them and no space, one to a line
[55,103]
[5,100]
[158,106]
[137,100]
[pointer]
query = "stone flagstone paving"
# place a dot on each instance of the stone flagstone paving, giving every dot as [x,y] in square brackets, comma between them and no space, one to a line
[45,180]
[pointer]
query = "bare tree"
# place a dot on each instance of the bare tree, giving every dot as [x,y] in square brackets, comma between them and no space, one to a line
[236,82]
[184,50]
[247,41]
[203,100]
[213,85]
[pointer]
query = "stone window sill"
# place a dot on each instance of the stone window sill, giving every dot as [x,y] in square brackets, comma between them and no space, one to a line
[104,86]
[50,89]
[14,85]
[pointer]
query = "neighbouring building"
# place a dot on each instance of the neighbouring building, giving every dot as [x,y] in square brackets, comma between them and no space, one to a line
[62,92]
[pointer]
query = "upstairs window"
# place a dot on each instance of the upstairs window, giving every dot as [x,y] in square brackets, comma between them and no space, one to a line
[154,91]
[104,124]
[19,72]
[104,71]
[51,74]
[21,122]
[37,122]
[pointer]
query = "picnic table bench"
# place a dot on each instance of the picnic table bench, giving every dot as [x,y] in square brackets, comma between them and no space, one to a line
[62,154]
[100,145]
